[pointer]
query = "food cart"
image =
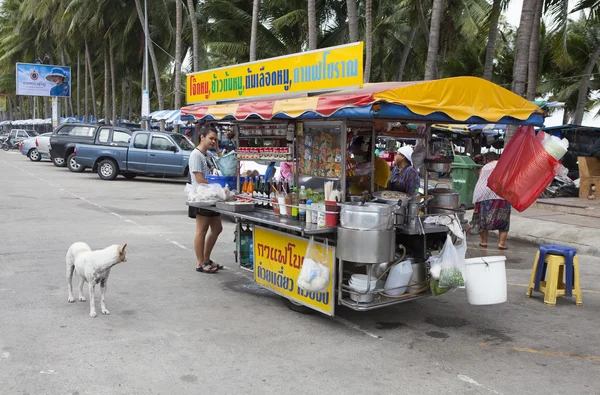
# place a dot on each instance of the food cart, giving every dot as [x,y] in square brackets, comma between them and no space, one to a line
[314,134]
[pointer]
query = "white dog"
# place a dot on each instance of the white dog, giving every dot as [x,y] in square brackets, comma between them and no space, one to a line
[93,267]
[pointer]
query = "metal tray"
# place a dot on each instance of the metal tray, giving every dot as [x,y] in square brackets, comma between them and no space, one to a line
[235,208]
[200,204]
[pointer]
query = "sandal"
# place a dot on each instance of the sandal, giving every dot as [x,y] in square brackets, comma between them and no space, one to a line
[219,267]
[482,245]
[502,247]
[203,268]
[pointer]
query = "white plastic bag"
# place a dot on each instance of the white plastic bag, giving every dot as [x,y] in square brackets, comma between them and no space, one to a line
[206,193]
[314,275]
[452,265]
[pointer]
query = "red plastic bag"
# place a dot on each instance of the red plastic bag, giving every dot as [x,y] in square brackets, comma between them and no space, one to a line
[524,170]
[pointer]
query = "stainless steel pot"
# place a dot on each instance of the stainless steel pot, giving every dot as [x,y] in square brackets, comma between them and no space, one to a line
[439,167]
[444,201]
[367,247]
[370,216]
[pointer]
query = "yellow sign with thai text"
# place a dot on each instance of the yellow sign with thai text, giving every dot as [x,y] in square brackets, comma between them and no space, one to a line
[320,70]
[278,259]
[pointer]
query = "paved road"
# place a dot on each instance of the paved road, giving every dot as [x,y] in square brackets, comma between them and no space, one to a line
[175,331]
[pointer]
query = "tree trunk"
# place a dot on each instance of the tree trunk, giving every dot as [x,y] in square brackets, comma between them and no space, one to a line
[584,86]
[521,65]
[312,24]
[177,89]
[85,82]
[352,20]
[254,31]
[434,39]
[106,84]
[423,22]
[93,88]
[159,94]
[123,94]
[488,69]
[368,39]
[534,49]
[129,105]
[78,90]
[113,81]
[405,53]
[194,23]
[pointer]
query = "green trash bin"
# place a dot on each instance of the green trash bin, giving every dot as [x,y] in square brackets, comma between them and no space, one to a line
[465,173]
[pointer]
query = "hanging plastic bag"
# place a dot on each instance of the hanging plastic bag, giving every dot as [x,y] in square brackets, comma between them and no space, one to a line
[227,164]
[314,275]
[452,270]
[524,170]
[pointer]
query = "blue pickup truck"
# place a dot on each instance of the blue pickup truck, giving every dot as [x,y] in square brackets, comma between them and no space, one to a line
[148,153]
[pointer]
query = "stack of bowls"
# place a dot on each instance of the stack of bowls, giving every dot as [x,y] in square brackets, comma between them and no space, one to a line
[359,283]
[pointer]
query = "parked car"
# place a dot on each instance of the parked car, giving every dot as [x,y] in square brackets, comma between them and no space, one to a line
[148,153]
[16,135]
[107,136]
[64,138]
[33,148]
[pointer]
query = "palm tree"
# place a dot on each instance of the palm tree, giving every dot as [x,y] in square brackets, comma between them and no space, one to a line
[312,25]
[177,71]
[368,39]
[434,39]
[352,20]
[522,47]
[194,25]
[534,50]
[494,17]
[254,32]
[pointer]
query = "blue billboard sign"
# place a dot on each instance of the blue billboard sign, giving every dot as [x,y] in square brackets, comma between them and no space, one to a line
[43,80]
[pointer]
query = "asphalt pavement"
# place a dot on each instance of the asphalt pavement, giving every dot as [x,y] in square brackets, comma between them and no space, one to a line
[175,331]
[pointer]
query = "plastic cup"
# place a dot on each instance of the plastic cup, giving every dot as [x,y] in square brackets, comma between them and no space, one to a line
[332,216]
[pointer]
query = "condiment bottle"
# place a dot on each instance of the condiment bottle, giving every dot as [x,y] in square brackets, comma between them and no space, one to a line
[308,214]
[294,198]
[288,204]
[274,202]
[302,204]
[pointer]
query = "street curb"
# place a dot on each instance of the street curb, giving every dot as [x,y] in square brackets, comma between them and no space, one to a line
[585,240]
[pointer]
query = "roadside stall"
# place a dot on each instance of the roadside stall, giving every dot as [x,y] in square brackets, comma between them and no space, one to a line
[306,237]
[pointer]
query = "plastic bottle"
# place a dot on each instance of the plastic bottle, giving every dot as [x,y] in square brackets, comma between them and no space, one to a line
[251,193]
[288,204]
[245,187]
[302,204]
[274,203]
[294,197]
[308,213]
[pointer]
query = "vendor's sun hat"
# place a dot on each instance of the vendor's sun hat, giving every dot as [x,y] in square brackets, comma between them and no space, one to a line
[56,72]
[407,152]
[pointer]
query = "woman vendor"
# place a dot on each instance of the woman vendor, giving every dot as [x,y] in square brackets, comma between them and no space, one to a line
[404,177]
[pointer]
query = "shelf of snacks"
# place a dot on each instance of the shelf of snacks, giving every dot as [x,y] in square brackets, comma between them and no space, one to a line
[267,131]
[271,154]
[320,153]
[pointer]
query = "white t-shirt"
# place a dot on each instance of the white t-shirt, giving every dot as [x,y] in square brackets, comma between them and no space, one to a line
[199,163]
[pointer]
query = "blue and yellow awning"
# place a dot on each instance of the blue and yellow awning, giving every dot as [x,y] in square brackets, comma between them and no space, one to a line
[462,100]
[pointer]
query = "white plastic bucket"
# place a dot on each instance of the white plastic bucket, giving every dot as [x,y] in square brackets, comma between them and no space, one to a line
[398,278]
[485,280]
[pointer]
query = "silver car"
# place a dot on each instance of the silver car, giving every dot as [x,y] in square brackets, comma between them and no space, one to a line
[36,148]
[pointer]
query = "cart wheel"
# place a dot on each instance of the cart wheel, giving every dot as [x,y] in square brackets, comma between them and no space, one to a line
[297,307]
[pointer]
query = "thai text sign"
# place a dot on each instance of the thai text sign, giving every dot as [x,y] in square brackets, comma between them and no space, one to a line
[314,71]
[43,80]
[278,259]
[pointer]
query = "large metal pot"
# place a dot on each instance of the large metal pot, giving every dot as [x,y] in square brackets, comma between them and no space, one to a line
[439,167]
[370,216]
[444,201]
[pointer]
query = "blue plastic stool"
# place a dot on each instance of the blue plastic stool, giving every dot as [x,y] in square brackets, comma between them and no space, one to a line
[556,249]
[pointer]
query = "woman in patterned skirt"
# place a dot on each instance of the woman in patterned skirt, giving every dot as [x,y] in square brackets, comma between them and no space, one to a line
[491,211]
